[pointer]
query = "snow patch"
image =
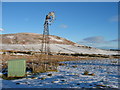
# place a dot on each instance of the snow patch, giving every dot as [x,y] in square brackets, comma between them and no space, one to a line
[62,48]
[53,38]
[10,37]
[106,75]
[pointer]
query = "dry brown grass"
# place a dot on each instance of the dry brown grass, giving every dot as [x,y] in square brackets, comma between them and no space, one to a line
[41,62]
[52,58]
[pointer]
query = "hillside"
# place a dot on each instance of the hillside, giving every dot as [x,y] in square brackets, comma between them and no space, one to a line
[31,38]
[32,42]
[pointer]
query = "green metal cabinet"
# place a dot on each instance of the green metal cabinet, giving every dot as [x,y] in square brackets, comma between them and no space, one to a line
[16,68]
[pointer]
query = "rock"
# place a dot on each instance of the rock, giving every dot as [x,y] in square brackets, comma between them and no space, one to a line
[86,73]
[101,85]
[17,83]
[92,74]
[62,80]
[43,78]
[68,68]
[49,75]
[74,66]
[34,78]
[95,84]
[78,83]
[90,85]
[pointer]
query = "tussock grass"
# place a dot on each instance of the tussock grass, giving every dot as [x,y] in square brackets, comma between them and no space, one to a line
[43,63]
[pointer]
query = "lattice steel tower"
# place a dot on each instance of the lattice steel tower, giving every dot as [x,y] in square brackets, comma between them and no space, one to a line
[46,40]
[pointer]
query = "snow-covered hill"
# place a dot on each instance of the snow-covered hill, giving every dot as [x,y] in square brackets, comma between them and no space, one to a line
[32,42]
[58,48]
